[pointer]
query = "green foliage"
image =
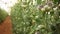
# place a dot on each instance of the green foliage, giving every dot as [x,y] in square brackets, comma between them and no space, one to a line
[3,15]
[56,1]
[38,1]
[28,18]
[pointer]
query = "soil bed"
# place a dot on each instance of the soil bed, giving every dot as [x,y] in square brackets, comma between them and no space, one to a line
[6,26]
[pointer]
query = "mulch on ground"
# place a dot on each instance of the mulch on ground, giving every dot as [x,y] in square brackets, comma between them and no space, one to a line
[6,26]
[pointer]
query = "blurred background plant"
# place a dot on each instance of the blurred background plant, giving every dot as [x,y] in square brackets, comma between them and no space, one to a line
[3,15]
[36,17]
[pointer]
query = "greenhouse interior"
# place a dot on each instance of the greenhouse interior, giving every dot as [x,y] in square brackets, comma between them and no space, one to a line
[29,16]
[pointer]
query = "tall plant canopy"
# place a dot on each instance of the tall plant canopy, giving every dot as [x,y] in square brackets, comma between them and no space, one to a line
[32,16]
